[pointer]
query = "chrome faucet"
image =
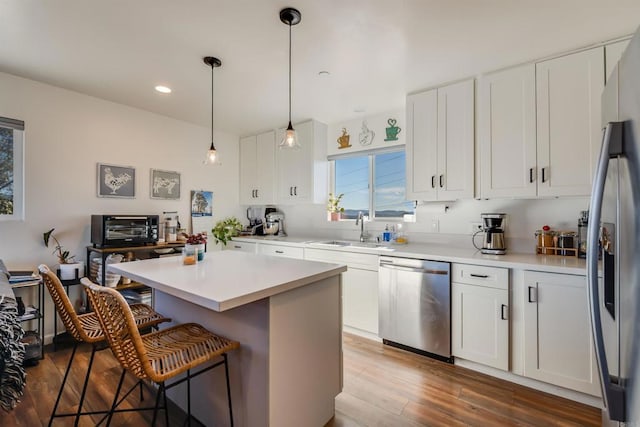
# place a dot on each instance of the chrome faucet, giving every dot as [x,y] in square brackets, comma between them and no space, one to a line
[363,234]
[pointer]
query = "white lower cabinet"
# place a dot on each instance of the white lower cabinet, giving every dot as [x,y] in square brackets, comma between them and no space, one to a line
[233,245]
[281,250]
[359,287]
[480,314]
[558,347]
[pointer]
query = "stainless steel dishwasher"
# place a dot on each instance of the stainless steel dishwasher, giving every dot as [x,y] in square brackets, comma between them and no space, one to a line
[415,305]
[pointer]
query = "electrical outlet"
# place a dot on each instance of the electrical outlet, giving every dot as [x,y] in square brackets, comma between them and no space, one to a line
[475,226]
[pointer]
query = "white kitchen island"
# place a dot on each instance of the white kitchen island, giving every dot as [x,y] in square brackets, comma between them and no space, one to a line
[285,313]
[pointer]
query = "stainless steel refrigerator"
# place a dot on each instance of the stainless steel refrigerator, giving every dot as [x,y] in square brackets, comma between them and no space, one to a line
[614,234]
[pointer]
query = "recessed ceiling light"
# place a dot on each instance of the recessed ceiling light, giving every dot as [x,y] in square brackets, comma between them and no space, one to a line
[324,73]
[163,89]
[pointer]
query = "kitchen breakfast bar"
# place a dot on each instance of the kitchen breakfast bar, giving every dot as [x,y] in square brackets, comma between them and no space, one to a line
[286,314]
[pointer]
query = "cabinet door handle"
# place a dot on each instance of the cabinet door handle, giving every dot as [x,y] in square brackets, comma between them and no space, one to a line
[279,252]
[441,178]
[256,194]
[503,315]
[433,181]
[291,191]
[543,174]
[479,276]
[530,175]
[532,296]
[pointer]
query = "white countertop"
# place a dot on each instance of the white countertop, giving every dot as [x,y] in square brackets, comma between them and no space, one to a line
[226,279]
[441,252]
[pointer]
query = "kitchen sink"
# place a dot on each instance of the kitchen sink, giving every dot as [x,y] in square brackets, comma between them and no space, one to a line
[344,243]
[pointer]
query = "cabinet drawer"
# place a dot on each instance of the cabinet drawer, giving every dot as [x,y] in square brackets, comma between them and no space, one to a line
[492,277]
[352,259]
[284,251]
[241,246]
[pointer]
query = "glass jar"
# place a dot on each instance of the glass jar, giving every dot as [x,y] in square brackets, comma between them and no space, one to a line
[566,240]
[544,239]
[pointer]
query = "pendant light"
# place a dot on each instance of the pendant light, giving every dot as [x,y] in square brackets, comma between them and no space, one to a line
[212,154]
[291,17]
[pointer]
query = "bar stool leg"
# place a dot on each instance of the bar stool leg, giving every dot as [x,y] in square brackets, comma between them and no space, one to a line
[84,387]
[166,409]
[115,398]
[161,390]
[226,374]
[64,381]
[188,397]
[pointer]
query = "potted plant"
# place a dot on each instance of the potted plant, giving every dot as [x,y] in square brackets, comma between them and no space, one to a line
[225,229]
[67,263]
[333,206]
[197,244]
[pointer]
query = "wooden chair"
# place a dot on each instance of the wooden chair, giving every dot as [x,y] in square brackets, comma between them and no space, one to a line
[86,328]
[158,356]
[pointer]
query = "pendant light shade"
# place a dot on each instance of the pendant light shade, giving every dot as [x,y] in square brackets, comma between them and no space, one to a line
[290,17]
[212,153]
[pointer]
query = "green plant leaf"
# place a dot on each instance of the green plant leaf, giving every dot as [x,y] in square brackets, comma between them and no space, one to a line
[46,236]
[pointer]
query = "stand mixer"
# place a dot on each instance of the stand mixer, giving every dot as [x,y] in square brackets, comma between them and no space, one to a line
[274,224]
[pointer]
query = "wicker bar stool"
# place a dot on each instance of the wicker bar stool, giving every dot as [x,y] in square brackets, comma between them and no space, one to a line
[158,356]
[86,328]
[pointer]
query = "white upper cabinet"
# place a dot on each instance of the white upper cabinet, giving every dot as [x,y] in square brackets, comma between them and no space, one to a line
[507,133]
[612,54]
[257,166]
[568,91]
[302,173]
[440,137]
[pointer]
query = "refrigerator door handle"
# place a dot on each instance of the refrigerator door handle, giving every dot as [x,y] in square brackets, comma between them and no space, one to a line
[612,393]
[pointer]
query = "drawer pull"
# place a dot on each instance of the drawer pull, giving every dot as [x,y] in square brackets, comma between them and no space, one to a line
[479,276]
[237,247]
[503,315]
[279,252]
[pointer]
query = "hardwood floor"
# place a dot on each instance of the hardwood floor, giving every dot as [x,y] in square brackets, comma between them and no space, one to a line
[383,386]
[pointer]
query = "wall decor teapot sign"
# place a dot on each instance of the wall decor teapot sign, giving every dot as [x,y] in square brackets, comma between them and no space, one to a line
[367,135]
[392,130]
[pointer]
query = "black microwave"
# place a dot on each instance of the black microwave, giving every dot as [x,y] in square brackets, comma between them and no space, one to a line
[123,230]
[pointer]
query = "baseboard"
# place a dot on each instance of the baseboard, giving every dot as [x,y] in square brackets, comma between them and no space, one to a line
[361,333]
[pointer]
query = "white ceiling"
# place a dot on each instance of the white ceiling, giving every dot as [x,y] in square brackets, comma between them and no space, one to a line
[377,51]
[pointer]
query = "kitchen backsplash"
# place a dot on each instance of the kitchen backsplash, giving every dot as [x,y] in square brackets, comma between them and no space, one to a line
[450,223]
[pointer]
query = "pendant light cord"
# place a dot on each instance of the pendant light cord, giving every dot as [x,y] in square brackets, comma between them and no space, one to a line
[212,104]
[289,72]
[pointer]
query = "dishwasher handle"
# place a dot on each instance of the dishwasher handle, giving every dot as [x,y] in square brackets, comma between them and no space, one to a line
[384,264]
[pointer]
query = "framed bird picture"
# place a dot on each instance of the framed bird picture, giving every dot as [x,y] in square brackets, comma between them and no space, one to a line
[116,181]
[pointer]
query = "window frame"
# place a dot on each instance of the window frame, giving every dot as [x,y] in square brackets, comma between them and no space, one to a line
[370,154]
[18,169]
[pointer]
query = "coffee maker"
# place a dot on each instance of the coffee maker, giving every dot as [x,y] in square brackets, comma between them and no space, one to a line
[493,229]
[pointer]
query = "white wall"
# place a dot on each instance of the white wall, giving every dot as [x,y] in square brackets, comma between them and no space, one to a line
[67,134]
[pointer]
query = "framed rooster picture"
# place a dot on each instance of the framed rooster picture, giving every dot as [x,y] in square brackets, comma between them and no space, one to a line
[165,184]
[116,181]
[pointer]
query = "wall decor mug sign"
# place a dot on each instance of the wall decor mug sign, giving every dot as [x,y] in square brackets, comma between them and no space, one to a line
[392,131]
[116,181]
